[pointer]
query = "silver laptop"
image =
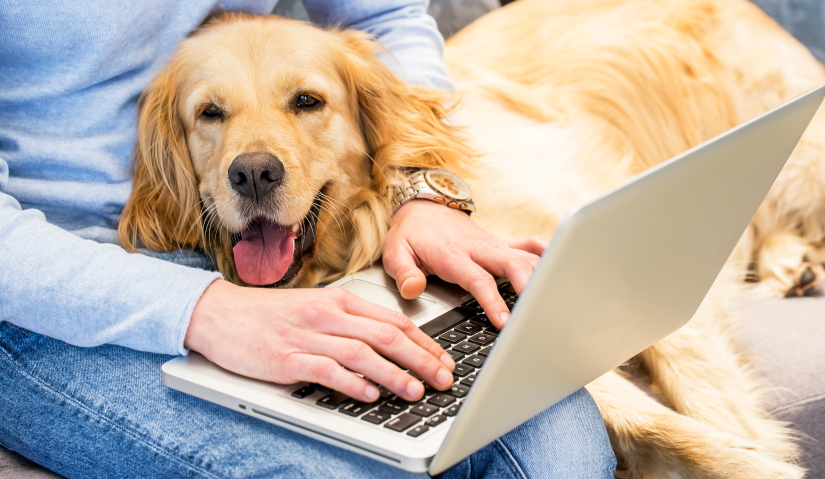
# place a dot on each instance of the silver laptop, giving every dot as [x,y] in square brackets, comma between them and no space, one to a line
[622,272]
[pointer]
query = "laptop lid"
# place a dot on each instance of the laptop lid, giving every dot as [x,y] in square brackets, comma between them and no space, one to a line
[623,271]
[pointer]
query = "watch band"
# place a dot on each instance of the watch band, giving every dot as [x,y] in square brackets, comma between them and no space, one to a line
[415,186]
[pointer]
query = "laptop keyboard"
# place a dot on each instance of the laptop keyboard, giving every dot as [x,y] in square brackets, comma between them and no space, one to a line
[467,336]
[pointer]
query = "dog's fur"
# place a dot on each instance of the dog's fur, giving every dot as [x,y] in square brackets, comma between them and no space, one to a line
[563,99]
[252,68]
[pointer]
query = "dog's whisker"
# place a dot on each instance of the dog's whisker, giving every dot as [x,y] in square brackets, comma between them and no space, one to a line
[334,217]
[205,212]
[366,153]
[338,209]
[336,201]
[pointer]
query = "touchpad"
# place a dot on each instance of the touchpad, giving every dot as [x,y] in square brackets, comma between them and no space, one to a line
[387,298]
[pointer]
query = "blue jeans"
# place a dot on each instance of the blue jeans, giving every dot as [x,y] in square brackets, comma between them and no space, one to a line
[103,412]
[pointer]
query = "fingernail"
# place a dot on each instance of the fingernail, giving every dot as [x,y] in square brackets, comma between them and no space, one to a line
[371,392]
[444,377]
[504,317]
[447,361]
[415,389]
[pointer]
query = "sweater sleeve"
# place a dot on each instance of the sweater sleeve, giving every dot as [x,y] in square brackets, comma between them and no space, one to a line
[86,293]
[402,26]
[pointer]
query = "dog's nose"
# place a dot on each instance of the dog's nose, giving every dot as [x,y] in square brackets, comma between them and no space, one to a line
[255,174]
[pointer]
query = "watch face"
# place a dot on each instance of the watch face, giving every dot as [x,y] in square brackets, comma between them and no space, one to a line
[448,184]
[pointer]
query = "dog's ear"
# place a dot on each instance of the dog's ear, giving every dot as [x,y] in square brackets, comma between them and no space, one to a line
[403,125]
[163,212]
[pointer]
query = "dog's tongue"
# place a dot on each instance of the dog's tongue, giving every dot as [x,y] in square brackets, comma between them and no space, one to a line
[264,253]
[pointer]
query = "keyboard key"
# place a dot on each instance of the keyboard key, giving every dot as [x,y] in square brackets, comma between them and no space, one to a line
[469,380]
[482,320]
[472,304]
[383,392]
[442,343]
[376,417]
[507,288]
[468,328]
[425,410]
[452,410]
[483,338]
[394,406]
[455,354]
[445,321]
[485,351]
[418,430]
[476,361]
[441,400]
[435,421]
[429,390]
[356,408]
[303,392]
[462,369]
[510,303]
[402,422]
[459,391]
[323,389]
[332,400]
[465,347]
[453,336]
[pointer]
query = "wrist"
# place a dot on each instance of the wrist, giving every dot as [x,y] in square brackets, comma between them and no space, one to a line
[205,317]
[439,186]
[419,207]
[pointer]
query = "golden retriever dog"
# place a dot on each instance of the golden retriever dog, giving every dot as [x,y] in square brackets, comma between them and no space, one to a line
[269,143]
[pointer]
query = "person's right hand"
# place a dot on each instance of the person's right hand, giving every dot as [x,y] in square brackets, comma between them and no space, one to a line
[292,335]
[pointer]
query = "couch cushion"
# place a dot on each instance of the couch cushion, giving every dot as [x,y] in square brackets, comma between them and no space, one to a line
[786,341]
[15,466]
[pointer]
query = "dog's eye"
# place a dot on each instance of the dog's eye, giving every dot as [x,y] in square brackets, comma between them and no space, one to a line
[212,113]
[307,102]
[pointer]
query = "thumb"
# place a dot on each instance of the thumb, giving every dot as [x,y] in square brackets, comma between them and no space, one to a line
[400,264]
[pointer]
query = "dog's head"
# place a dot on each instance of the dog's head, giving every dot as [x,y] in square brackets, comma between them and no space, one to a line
[268,142]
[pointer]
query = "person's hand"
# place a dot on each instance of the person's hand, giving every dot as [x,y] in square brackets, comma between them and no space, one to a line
[427,238]
[293,335]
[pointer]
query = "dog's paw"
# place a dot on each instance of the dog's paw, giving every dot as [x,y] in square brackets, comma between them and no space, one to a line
[788,266]
[806,280]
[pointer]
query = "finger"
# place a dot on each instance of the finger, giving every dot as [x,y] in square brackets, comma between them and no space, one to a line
[327,372]
[531,244]
[357,306]
[389,341]
[515,265]
[503,261]
[519,270]
[482,285]
[399,262]
[359,357]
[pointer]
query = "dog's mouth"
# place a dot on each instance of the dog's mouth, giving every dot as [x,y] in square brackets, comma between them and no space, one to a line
[271,254]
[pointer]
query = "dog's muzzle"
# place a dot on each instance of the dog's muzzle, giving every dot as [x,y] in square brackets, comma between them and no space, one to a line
[271,255]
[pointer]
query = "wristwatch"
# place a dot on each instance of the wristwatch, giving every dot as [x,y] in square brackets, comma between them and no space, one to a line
[440,186]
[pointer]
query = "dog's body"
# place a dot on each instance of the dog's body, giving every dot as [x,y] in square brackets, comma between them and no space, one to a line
[562,99]
[601,90]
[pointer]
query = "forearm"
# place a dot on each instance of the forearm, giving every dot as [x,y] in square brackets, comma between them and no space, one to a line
[86,293]
[402,26]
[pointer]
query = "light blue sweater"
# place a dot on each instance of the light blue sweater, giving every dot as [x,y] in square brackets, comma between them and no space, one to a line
[70,75]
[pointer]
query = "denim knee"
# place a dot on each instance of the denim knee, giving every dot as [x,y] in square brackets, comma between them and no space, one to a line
[567,440]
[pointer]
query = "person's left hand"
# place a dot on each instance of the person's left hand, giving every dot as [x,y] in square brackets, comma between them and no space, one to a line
[427,238]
